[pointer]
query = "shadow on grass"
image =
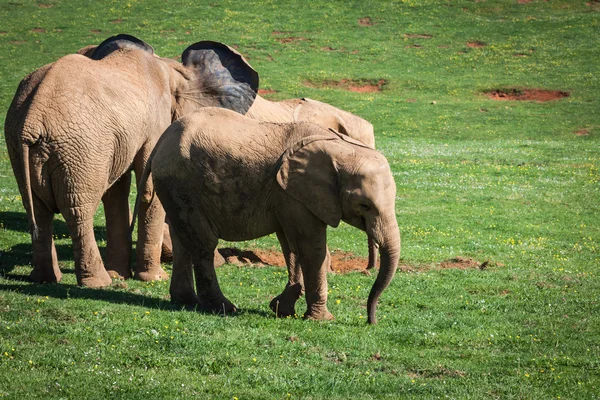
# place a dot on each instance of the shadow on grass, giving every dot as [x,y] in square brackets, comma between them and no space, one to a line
[68,291]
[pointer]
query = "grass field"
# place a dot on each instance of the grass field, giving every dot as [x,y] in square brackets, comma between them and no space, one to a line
[515,183]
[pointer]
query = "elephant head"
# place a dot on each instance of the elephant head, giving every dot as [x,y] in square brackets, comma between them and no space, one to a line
[338,178]
[211,74]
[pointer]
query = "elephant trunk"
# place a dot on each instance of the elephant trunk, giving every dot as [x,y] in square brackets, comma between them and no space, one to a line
[389,250]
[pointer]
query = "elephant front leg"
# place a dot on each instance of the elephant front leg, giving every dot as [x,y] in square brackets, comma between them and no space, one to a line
[150,233]
[45,262]
[118,246]
[284,305]
[89,269]
[313,258]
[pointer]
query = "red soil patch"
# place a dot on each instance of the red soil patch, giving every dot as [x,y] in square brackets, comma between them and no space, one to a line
[96,31]
[266,91]
[583,132]
[358,86]
[38,30]
[459,262]
[291,39]
[414,46]
[418,35]
[476,44]
[365,21]
[116,21]
[524,1]
[539,95]
[18,41]
[327,48]
[341,261]
[45,5]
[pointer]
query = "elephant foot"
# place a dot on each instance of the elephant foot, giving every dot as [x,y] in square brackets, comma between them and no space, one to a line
[222,306]
[98,280]
[45,275]
[119,273]
[155,274]
[187,299]
[282,308]
[321,314]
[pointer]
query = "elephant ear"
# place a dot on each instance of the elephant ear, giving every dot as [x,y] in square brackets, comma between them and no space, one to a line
[120,42]
[223,74]
[308,174]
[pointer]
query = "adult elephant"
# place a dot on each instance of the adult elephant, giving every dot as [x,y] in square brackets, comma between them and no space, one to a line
[78,126]
[292,179]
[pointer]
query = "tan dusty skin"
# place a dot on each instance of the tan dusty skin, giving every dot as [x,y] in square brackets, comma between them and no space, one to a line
[77,128]
[220,175]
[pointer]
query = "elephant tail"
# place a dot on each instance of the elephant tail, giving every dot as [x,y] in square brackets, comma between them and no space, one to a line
[27,194]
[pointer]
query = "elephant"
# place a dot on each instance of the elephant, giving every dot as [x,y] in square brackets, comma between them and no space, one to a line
[76,129]
[306,110]
[222,175]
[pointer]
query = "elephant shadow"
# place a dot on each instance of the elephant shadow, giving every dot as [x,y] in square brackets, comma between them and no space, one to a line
[68,291]
[21,254]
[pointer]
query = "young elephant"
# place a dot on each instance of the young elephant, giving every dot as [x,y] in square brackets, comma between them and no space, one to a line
[306,110]
[77,127]
[220,175]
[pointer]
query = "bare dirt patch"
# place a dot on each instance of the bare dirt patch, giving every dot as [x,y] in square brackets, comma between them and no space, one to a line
[327,48]
[459,262]
[352,85]
[45,5]
[96,31]
[116,21]
[582,132]
[38,30]
[414,46]
[341,261]
[266,91]
[365,21]
[476,44]
[525,1]
[418,35]
[291,39]
[539,95]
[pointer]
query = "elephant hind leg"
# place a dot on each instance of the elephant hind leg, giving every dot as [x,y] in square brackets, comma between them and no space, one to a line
[118,246]
[89,268]
[182,281]
[45,261]
[284,305]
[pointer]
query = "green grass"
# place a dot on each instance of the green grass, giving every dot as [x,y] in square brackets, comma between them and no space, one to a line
[508,182]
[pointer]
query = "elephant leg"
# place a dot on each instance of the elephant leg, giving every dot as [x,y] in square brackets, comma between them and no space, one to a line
[116,210]
[210,296]
[151,221]
[89,269]
[182,282]
[166,253]
[373,250]
[313,258]
[285,304]
[45,262]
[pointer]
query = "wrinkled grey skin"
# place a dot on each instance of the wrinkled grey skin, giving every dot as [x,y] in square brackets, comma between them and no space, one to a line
[220,175]
[77,127]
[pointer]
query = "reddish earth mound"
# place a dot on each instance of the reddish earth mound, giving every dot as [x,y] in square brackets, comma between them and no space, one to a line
[583,132]
[365,21]
[341,261]
[359,86]
[476,44]
[526,94]
[266,91]
[291,39]
[459,262]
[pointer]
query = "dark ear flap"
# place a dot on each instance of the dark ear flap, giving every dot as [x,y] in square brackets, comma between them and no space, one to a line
[308,174]
[224,74]
[118,42]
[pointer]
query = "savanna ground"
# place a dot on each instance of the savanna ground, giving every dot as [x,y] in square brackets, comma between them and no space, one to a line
[514,183]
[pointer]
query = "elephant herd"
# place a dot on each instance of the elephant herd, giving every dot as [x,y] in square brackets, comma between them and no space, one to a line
[210,155]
